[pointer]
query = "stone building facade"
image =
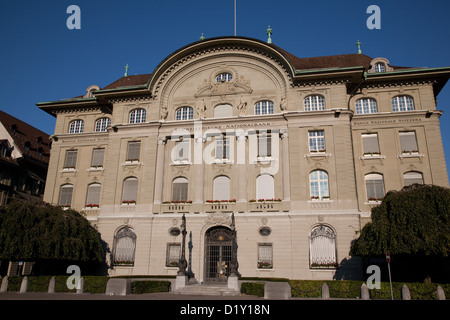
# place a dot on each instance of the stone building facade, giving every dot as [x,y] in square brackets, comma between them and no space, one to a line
[298,150]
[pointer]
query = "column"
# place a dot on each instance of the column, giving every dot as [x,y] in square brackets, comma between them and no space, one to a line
[159,175]
[285,165]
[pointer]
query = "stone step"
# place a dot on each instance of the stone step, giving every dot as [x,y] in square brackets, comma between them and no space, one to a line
[207,290]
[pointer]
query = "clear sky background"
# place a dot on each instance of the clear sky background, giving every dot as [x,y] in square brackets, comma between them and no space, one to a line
[42,60]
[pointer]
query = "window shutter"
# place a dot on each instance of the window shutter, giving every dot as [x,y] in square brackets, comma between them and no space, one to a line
[222,188]
[408,141]
[130,188]
[180,189]
[97,157]
[134,150]
[370,143]
[93,195]
[65,195]
[71,159]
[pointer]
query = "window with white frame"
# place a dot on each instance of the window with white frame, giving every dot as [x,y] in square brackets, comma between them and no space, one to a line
[224,77]
[316,140]
[93,195]
[124,247]
[366,105]
[98,156]
[71,159]
[76,126]
[138,116]
[402,103]
[322,247]
[180,189]
[265,187]
[173,254]
[222,147]
[314,103]
[101,124]
[129,190]
[221,188]
[133,151]
[370,144]
[264,143]
[65,195]
[184,113]
[380,67]
[264,107]
[265,256]
[412,177]
[408,142]
[318,182]
[374,186]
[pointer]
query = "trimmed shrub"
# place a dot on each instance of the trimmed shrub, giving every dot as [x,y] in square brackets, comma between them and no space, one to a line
[138,287]
[253,288]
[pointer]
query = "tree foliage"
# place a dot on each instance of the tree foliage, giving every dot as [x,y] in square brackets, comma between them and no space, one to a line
[37,231]
[413,221]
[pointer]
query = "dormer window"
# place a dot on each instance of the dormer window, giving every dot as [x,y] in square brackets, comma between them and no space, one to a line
[380,67]
[224,77]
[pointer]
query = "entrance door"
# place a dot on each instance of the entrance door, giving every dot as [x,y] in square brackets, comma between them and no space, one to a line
[218,244]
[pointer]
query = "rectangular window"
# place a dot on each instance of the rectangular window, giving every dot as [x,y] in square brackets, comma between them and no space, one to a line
[408,141]
[181,150]
[180,189]
[71,159]
[173,254]
[265,253]
[264,143]
[222,148]
[370,144]
[316,141]
[97,157]
[374,186]
[134,151]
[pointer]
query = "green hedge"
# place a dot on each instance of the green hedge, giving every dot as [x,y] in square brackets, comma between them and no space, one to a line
[138,287]
[253,289]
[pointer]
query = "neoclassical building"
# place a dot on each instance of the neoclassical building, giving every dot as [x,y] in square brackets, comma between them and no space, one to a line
[298,150]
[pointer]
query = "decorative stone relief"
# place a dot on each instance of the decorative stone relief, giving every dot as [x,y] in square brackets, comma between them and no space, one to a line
[218,218]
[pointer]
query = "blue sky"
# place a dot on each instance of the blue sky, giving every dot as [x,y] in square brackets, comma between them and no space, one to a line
[42,60]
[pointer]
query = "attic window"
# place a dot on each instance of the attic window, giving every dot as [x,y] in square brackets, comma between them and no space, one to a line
[224,77]
[380,67]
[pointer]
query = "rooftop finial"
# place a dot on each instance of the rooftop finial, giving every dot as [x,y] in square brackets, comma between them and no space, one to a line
[269,33]
[126,70]
[202,37]
[358,44]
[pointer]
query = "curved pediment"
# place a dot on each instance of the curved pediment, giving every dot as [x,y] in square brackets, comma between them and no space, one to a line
[222,46]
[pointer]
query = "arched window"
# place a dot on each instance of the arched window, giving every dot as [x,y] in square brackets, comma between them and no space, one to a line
[380,67]
[101,124]
[314,103]
[129,190]
[124,246]
[93,195]
[76,126]
[412,177]
[322,247]
[221,188]
[223,110]
[318,182]
[366,105]
[264,107]
[374,186]
[184,113]
[65,195]
[224,77]
[180,189]
[138,116]
[402,103]
[265,187]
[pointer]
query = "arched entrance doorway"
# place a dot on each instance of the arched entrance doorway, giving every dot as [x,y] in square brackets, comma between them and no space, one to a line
[218,246]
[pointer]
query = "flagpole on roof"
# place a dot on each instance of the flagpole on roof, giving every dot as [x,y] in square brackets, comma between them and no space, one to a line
[235,18]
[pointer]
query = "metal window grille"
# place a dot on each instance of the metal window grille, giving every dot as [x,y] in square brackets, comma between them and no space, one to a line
[173,254]
[125,245]
[322,247]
